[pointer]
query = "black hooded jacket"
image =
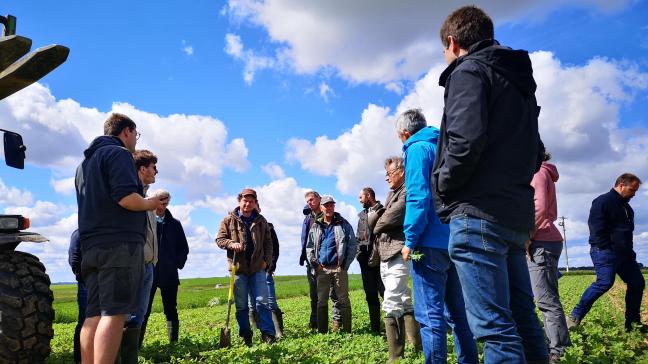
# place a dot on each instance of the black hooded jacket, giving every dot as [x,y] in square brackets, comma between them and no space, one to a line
[489,147]
[106,175]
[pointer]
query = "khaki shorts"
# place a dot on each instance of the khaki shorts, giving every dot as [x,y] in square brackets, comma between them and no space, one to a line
[113,276]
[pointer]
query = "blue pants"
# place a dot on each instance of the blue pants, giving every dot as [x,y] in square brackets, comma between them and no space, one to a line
[82,302]
[257,286]
[607,264]
[136,318]
[272,295]
[492,268]
[437,291]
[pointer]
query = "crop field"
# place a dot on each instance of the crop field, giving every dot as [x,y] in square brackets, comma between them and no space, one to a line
[202,309]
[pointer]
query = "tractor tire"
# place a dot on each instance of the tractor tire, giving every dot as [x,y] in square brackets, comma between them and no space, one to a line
[26,312]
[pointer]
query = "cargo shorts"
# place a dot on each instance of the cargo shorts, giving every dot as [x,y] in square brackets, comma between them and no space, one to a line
[113,275]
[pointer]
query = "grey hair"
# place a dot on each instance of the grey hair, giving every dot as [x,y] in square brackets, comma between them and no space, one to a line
[314,193]
[161,193]
[411,121]
[398,162]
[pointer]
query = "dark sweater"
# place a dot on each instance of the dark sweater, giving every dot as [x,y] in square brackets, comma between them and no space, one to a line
[611,223]
[106,175]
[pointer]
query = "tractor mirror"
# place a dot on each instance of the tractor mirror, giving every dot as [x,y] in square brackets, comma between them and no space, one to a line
[14,150]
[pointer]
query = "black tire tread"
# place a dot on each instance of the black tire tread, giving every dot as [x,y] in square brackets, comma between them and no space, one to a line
[26,312]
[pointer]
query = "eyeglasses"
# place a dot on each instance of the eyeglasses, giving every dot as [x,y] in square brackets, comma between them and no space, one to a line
[391,172]
[137,135]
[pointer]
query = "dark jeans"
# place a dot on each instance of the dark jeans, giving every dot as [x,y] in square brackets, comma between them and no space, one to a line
[169,303]
[607,264]
[544,281]
[312,285]
[492,268]
[371,281]
[82,302]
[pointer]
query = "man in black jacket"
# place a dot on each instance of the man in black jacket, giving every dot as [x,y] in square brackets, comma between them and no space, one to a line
[488,152]
[112,224]
[371,281]
[611,224]
[172,255]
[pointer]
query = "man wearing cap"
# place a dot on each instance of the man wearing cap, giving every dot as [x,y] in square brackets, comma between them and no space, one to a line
[331,247]
[246,236]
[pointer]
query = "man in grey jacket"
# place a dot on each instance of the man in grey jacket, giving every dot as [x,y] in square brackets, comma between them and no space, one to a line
[331,248]
[397,302]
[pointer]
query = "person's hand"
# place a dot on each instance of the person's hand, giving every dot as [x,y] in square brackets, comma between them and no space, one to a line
[406,253]
[319,268]
[154,202]
[237,247]
[527,248]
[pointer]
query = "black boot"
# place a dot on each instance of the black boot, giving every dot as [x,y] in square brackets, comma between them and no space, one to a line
[374,318]
[172,331]
[247,338]
[129,346]
[277,319]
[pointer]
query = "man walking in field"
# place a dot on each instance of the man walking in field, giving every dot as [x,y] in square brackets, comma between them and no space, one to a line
[488,151]
[331,248]
[246,233]
[611,224]
[112,223]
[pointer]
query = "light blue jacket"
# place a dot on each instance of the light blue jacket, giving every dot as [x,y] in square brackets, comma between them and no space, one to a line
[422,225]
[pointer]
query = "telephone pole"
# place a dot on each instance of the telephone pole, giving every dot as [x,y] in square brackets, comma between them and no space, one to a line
[564,228]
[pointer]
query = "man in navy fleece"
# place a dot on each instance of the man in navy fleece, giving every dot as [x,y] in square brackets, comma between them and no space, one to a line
[112,223]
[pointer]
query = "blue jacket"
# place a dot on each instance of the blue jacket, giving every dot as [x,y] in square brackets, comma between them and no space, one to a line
[345,242]
[611,223]
[422,225]
[173,251]
[106,175]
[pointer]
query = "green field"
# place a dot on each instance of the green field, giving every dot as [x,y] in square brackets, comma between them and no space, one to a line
[202,309]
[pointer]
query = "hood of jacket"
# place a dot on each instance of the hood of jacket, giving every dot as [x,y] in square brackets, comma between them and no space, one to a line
[514,65]
[551,170]
[307,210]
[100,142]
[428,134]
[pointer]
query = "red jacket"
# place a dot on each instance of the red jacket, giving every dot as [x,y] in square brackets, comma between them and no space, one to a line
[546,210]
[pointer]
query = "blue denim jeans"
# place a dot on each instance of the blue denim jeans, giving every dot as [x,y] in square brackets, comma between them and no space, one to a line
[257,286]
[607,264]
[82,302]
[272,295]
[492,268]
[136,318]
[437,293]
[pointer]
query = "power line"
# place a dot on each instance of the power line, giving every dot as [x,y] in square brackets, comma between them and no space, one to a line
[564,228]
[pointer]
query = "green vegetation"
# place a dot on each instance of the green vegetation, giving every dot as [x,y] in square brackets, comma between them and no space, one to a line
[600,339]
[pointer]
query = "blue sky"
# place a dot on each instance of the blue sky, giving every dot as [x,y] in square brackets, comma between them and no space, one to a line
[287,96]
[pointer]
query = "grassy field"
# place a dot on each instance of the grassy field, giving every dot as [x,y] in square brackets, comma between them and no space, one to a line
[600,339]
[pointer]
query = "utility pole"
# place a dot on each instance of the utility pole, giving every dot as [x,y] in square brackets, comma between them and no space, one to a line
[564,228]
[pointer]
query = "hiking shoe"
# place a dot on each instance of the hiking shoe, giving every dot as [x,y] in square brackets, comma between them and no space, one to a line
[554,359]
[247,338]
[572,322]
[336,326]
[642,328]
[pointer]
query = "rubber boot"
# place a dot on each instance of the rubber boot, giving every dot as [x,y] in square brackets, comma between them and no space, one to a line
[130,346]
[374,319]
[247,338]
[172,331]
[142,332]
[395,337]
[254,319]
[277,319]
[322,319]
[346,320]
[413,331]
